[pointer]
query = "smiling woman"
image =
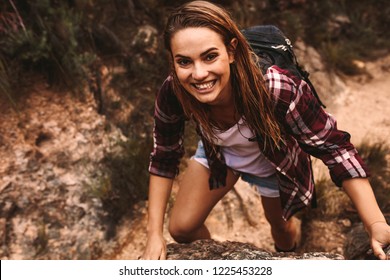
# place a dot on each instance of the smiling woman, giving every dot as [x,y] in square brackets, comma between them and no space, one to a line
[202,65]
[262,128]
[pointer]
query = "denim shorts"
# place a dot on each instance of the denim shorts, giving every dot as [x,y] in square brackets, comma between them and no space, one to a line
[265,186]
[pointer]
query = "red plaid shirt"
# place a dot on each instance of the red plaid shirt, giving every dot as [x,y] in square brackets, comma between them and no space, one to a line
[308,130]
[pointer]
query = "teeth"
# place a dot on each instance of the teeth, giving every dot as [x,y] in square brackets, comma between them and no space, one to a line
[204,86]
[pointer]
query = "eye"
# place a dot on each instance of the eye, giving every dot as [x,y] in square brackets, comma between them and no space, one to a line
[183,61]
[211,56]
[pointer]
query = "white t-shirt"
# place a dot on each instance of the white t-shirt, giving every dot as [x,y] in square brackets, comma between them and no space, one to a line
[240,153]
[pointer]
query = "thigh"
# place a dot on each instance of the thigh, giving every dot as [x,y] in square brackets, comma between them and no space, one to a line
[195,200]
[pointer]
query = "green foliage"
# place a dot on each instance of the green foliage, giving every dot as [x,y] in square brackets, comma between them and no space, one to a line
[60,39]
[340,57]
[5,82]
[342,30]
[123,179]
[41,241]
[127,169]
[48,44]
[361,36]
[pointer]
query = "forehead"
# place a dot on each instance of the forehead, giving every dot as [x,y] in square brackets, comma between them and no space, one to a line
[193,41]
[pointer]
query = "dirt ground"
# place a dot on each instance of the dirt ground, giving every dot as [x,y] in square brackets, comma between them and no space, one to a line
[364,111]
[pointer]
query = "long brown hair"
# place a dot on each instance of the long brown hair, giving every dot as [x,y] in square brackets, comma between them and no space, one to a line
[252,100]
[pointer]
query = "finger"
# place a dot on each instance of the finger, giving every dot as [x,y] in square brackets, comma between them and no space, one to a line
[163,254]
[145,256]
[378,251]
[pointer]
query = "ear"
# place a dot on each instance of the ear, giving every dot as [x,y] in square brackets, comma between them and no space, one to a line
[232,49]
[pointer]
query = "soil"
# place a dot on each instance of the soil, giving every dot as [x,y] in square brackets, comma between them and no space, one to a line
[364,109]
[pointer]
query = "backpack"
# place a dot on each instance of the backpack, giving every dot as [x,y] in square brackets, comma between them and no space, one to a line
[274,48]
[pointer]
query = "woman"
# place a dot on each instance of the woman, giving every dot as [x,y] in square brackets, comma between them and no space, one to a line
[262,128]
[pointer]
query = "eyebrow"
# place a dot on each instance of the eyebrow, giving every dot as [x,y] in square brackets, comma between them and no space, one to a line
[202,54]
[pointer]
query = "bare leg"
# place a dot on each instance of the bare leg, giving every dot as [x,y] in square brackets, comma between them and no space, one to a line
[194,201]
[283,232]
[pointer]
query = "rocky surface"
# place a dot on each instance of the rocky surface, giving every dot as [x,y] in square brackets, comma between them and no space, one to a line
[329,85]
[49,152]
[233,250]
[357,245]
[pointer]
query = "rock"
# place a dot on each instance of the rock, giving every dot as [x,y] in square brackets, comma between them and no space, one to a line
[337,25]
[146,38]
[209,249]
[7,209]
[359,64]
[345,222]
[47,210]
[328,84]
[7,185]
[357,245]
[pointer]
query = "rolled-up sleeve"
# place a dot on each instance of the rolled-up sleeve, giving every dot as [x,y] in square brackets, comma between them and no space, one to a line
[168,133]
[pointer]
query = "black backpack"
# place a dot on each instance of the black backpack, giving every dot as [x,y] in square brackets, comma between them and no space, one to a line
[274,48]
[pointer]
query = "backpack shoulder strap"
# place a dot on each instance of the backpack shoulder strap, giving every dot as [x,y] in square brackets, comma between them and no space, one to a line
[274,48]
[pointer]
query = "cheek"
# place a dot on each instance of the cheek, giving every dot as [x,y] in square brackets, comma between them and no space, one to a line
[225,73]
[223,67]
[181,74]
[185,85]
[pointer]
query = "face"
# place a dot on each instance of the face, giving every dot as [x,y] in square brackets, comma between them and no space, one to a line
[201,63]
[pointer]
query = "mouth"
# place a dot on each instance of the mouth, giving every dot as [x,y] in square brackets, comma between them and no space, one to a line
[204,86]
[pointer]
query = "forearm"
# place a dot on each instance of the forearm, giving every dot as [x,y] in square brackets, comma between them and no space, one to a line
[159,192]
[360,192]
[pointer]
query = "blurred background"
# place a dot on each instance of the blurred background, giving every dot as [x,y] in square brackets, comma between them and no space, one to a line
[77,86]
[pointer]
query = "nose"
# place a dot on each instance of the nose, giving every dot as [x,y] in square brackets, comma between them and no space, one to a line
[199,72]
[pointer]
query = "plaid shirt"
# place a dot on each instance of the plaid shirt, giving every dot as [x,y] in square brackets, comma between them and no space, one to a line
[307,130]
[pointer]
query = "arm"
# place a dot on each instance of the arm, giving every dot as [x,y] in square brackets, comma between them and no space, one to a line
[165,157]
[317,134]
[362,196]
[159,192]
[315,130]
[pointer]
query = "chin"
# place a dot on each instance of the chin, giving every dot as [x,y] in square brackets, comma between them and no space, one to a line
[207,100]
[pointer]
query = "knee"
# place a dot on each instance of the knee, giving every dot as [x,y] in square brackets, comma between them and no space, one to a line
[283,227]
[180,232]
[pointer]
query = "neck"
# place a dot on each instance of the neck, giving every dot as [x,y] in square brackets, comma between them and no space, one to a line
[224,114]
[224,117]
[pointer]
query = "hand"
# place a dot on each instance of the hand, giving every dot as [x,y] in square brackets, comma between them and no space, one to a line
[380,237]
[156,248]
